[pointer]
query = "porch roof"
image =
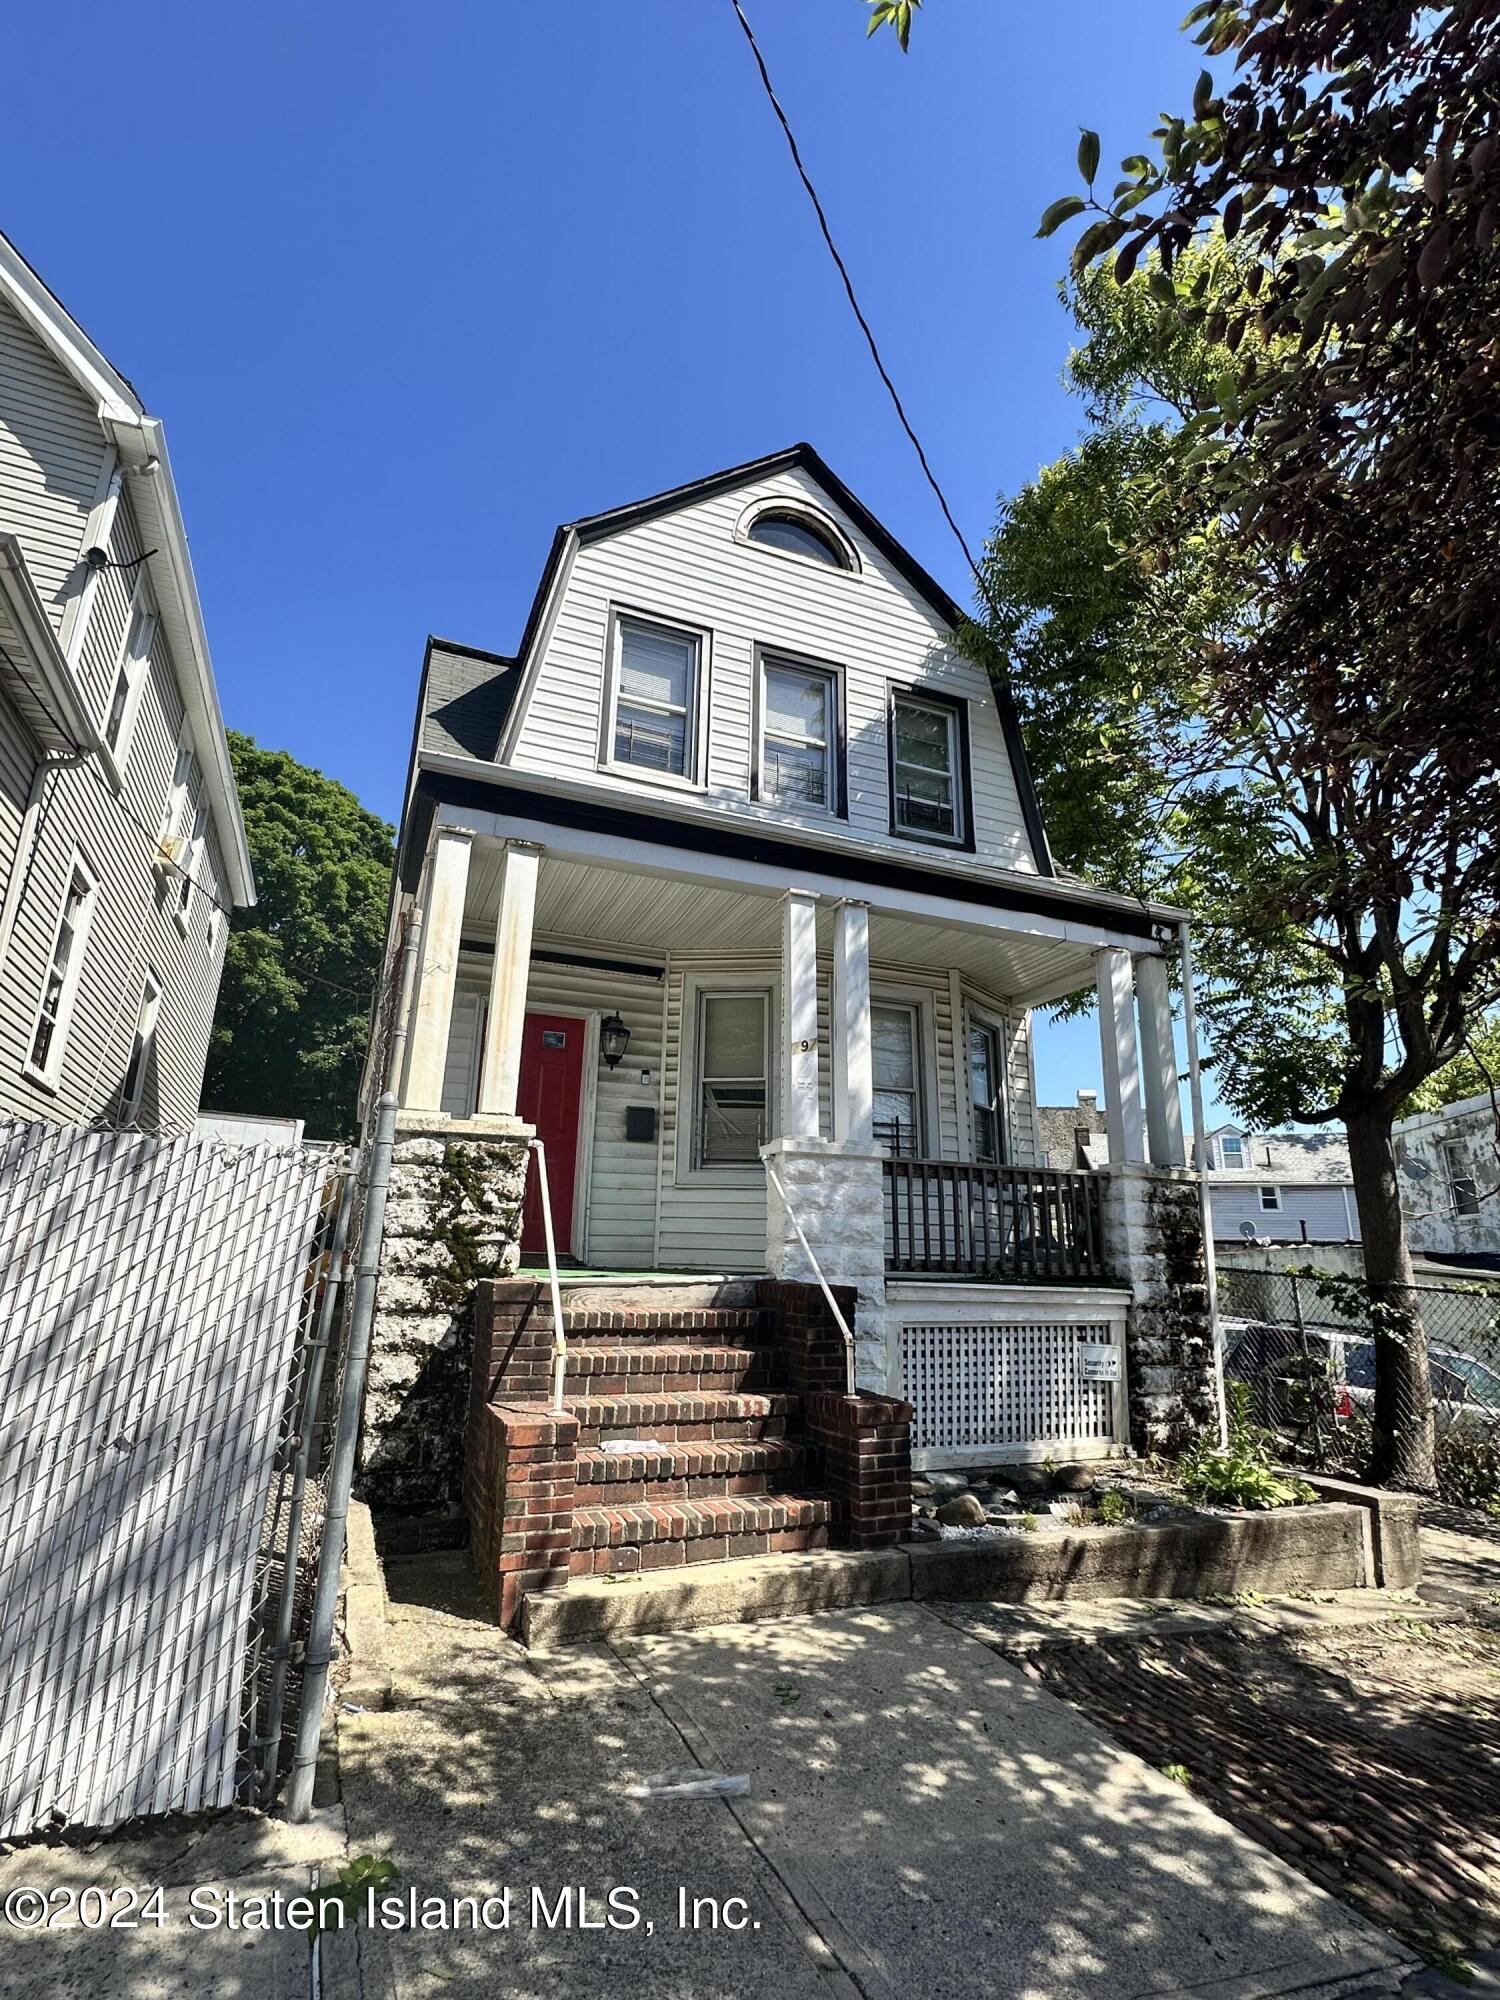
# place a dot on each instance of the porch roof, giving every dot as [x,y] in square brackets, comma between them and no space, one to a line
[589,905]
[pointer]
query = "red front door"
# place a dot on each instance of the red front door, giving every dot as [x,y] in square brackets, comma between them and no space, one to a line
[549,1098]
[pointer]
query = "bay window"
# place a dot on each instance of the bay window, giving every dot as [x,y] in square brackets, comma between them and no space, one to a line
[896,1067]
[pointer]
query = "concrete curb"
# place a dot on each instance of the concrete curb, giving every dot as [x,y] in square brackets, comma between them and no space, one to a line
[1392,1528]
[369,1683]
[1320,1547]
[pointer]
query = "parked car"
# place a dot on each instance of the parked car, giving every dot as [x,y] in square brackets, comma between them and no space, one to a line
[1271,1358]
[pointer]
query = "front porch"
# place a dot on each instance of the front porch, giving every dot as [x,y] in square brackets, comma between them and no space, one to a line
[737,1078]
[751,1021]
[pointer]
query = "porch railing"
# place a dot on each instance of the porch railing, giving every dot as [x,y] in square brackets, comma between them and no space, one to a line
[1018,1223]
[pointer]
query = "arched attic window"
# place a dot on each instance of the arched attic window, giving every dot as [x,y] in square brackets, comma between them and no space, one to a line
[799,534]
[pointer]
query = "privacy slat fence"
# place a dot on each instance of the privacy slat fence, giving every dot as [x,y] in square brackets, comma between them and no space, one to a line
[157,1298]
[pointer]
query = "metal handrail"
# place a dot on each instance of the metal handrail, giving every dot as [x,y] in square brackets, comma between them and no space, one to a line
[833,1304]
[559,1334]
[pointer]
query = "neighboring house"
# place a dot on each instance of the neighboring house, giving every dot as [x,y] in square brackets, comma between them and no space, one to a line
[734,886]
[1293,1187]
[1073,1135]
[1448,1165]
[121,846]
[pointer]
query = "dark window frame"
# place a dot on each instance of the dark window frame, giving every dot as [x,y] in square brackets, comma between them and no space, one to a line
[841,556]
[957,705]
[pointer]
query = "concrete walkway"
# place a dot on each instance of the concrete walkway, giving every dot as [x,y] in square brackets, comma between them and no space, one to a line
[922,1819]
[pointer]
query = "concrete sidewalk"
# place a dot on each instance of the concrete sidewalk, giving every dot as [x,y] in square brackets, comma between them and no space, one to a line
[923,1819]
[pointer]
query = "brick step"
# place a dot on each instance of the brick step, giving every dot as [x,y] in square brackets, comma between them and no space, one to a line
[718,1323]
[688,1471]
[684,1418]
[609,1541]
[620,1368]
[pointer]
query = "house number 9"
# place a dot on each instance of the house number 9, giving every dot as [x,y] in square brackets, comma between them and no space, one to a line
[806,1047]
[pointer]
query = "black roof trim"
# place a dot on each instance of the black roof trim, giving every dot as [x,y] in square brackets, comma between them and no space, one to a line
[734,842]
[469,652]
[803,456]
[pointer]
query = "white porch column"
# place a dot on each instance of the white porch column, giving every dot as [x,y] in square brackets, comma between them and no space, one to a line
[500,1074]
[853,1075]
[1159,1063]
[799,1015]
[1121,1057]
[442,928]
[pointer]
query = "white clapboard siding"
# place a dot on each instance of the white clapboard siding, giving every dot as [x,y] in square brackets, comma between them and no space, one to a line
[689,567]
[51,461]
[150,1291]
[134,924]
[1024,1141]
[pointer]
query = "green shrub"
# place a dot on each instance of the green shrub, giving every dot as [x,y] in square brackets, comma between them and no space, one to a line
[1115,1508]
[1468,1469]
[1246,1474]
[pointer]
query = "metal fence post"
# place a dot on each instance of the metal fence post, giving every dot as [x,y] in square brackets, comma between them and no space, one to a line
[333,1289]
[341,1471]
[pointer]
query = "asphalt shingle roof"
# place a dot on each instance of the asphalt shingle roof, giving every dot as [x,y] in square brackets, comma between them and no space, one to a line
[468,697]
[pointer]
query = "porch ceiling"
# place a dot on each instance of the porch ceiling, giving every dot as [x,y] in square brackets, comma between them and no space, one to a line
[584,904]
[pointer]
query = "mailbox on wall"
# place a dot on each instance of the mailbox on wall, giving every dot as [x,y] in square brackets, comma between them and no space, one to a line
[640,1123]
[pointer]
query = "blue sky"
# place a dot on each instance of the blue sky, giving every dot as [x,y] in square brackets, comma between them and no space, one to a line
[411,285]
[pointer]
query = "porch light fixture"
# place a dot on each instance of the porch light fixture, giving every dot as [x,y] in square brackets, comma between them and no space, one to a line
[614,1040]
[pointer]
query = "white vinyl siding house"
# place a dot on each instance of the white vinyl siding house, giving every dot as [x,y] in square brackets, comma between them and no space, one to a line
[741,798]
[692,571]
[115,678]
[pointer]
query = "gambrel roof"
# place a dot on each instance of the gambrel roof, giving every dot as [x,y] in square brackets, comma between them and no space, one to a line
[591,528]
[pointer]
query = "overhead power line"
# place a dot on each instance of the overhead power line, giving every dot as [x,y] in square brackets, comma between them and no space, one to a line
[853,297]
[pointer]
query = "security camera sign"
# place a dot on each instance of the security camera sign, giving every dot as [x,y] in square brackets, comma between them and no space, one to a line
[1098,1361]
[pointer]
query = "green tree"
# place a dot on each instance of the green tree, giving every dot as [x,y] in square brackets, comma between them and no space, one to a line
[1474,1073]
[1332,796]
[301,965]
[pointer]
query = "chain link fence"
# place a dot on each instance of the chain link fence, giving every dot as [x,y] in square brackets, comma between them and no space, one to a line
[1300,1345]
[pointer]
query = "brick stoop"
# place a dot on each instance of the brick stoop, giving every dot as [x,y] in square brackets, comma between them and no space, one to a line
[689,1434]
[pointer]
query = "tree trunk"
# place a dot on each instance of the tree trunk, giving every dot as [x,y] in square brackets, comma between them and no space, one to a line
[1404,1439]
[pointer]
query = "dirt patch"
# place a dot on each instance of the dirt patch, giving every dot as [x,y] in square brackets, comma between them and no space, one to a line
[1369,1760]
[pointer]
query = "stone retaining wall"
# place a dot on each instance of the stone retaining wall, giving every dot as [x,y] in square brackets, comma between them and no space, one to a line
[1154,1241]
[452,1218]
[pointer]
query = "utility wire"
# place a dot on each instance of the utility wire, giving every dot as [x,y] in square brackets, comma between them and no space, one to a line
[864,324]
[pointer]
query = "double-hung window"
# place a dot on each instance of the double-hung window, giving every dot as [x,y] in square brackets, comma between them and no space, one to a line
[1231,1151]
[799,730]
[984,1094]
[656,687]
[49,1035]
[180,799]
[732,1079]
[142,1052]
[926,769]
[130,671]
[191,859]
[896,1064]
[1270,1200]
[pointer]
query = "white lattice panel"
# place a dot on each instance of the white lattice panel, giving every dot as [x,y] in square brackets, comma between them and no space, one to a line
[997,1387]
